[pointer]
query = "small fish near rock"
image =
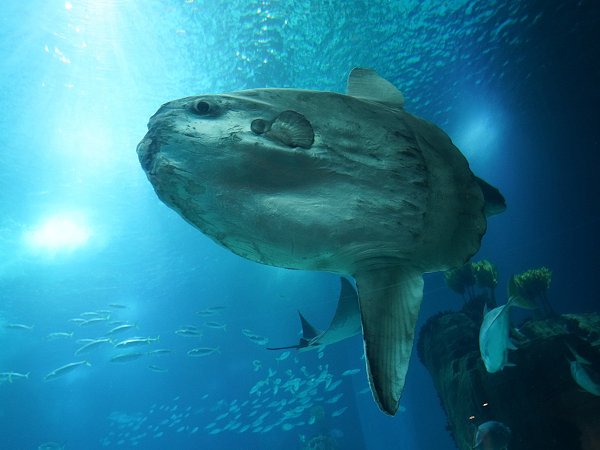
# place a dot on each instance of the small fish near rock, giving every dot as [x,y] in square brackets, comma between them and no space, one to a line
[492,435]
[344,183]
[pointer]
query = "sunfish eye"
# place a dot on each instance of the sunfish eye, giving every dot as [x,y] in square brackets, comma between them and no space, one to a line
[202,108]
[259,126]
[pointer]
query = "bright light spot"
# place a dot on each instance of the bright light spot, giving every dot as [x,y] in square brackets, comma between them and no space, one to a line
[58,233]
[479,131]
[68,6]
[477,136]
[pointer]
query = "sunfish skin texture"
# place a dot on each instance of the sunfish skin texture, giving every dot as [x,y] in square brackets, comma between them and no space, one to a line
[350,184]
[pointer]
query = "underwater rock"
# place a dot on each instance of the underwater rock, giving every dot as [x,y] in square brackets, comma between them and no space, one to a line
[538,399]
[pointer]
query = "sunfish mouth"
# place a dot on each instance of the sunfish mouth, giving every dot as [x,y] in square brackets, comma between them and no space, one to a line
[147,150]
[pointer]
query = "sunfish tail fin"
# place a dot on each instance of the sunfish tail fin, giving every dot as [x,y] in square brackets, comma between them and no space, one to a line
[389,303]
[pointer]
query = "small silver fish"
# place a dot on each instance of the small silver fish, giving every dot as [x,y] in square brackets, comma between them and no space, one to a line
[216,308]
[136,341]
[77,320]
[10,376]
[93,344]
[339,412]
[260,340]
[59,335]
[51,446]
[285,355]
[216,325]
[63,370]
[203,351]
[492,435]
[335,398]
[90,314]
[189,331]
[126,357]
[117,305]
[93,321]
[120,328]
[157,369]
[18,326]
[159,351]
[584,375]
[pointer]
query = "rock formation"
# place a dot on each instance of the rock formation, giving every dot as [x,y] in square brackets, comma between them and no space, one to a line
[538,398]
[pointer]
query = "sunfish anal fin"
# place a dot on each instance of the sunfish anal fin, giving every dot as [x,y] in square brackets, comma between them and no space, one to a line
[308,331]
[389,304]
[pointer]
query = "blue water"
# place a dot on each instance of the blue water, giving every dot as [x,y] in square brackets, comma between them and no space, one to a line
[515,84]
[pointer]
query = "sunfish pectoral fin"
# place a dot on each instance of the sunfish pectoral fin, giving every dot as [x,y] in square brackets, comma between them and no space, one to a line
[389,304]
[291,129]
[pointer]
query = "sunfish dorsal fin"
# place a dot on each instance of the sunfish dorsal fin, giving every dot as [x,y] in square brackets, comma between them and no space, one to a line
[366,84]
[389,305]
[494,202]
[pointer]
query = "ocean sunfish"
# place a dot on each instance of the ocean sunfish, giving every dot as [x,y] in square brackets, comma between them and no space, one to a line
[345,183]
[344,325]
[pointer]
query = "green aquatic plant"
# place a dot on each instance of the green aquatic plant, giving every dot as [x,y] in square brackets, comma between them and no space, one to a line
[461,280]
[486,276]
[531,288]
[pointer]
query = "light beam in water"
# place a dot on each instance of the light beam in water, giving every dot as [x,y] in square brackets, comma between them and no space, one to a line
[58,233]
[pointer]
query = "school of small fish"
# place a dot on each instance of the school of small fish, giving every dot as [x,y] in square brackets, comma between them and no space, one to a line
[283,393]
[284,397]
